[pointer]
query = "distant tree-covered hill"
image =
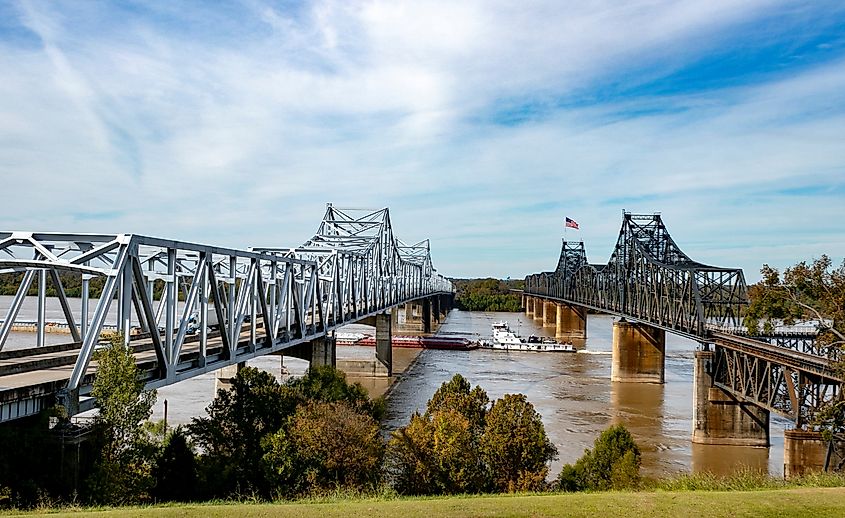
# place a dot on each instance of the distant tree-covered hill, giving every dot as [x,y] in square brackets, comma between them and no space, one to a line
[487,294]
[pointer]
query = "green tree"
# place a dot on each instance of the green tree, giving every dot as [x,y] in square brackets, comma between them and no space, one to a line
[613,463]
[328,384]
[515,447]
[231,436]
[122,473]
[457,394]
[175,470]
[327,446]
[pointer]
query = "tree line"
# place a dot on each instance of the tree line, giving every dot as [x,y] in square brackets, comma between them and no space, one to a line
[307,436]
[487,294]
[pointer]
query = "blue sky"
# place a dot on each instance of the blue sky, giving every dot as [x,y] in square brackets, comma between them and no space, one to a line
[481,124]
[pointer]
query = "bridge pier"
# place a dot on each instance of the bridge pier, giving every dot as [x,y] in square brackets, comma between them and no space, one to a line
[319,351]
[549,313]
[539,310]
[638,353]
[720,418]
[806,452]
[570,322]
[408,318]
[384,341]
[529,306]
[225,376]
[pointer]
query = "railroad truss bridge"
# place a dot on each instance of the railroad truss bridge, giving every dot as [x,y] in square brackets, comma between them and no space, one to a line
[654,287]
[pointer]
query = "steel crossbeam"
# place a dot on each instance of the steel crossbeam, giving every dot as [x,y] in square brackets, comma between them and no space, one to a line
[651,280]
[203,307]
[648,278]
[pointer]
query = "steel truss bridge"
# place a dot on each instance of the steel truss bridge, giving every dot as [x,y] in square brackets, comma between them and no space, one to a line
[242,303]
[649,279]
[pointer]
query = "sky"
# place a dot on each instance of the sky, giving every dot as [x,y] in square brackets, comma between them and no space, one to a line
[480,124]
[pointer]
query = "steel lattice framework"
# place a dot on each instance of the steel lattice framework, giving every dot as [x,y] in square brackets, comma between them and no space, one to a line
[648,278]
[243,303]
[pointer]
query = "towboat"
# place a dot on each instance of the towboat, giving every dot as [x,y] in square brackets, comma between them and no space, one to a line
[420,342]
[506,340]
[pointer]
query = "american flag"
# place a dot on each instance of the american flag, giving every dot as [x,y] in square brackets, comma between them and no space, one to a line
[571,223]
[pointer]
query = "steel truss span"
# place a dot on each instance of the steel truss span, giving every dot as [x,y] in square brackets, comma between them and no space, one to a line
[239,304]
[648,278]
[651,280]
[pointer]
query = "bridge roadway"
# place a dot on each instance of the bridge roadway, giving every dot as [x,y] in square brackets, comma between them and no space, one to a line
[260,301]
[656,288]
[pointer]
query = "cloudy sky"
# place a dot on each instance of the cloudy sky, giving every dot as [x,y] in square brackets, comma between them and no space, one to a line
[481,124]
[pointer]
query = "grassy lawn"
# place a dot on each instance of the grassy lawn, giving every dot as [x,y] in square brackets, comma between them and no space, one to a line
[806,502]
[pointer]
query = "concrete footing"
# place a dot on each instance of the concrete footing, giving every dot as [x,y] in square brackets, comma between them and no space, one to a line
[638,353]
[806,452]
[718,417]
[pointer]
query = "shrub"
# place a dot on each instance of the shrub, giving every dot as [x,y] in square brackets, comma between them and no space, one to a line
[613,463]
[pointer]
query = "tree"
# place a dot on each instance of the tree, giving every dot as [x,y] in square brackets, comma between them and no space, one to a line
[175,470]
[807,290]
[327,446]
[514,445]
[613,463]
[122,473]
[457,394]
[328,384]
[231,436]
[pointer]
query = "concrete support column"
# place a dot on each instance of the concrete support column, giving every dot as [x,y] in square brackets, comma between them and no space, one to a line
[529,306]
[384,338]
[324,351]
[718,417]
[426,315]
[539,310]
[226,375]
[570,322]
[549,314]
[436,310]
[638,353]
[805,452]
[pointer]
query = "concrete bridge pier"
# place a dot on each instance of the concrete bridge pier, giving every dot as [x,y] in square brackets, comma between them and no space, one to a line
[384,342]
[720,418]
[319,351]
[807,452]
[408,318]
[225,376]
[638,353]
[427,316]
[570,322]
[539,310]
[549,313]
[529,306]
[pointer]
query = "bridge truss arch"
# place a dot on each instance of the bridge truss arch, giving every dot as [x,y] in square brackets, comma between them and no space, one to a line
[649,278]
[188,308]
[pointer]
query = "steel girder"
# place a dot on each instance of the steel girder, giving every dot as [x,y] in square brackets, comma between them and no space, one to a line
[243,303]
[648,278]
[792,384]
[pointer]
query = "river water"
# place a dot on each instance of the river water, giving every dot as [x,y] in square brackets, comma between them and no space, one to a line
[572,392]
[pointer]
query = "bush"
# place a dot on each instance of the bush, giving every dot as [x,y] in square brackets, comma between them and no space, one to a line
[613,463]
[175,470]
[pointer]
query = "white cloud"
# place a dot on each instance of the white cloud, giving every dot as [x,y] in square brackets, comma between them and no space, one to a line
[238,131]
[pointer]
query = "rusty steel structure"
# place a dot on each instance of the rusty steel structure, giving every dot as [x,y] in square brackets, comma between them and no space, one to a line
[649,279]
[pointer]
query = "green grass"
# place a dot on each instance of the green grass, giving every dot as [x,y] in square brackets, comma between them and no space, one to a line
[815,502]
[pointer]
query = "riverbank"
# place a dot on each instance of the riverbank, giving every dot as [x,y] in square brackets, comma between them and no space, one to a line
[815,502]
